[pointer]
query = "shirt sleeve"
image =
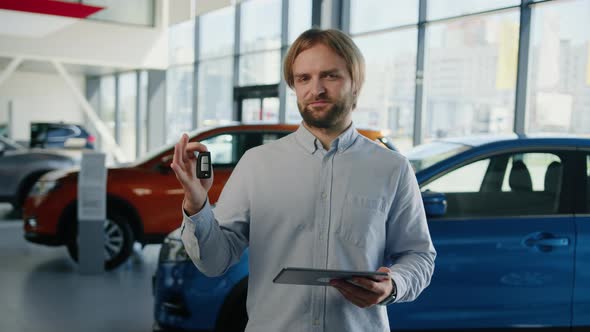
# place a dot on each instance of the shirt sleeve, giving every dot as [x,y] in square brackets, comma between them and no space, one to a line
[409,249]
[215,240]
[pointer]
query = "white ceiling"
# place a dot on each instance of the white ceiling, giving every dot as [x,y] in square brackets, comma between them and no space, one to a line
[31,25]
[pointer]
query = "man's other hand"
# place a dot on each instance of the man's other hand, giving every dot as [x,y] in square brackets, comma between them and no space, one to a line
[365,292]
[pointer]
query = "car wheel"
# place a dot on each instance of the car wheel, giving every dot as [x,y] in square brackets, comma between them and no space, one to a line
[233,316]
[118,241]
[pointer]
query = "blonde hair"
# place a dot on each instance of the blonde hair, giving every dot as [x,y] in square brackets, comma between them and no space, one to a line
[339,43]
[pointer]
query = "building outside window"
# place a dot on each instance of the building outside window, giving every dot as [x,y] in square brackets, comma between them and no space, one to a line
[558,98]
[215,88]
[179,80]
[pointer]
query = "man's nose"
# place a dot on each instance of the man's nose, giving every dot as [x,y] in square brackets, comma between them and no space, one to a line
[318,87]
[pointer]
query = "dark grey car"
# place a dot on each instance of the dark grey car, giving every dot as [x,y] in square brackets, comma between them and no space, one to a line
[20,168]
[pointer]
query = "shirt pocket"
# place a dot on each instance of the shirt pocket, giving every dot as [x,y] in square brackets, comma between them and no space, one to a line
[362,220]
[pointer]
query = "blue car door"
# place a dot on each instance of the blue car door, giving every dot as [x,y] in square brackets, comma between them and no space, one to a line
[581,303]
[505,245]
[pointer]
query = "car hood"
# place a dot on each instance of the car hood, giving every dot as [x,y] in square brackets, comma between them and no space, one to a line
[74,155]
[73,172]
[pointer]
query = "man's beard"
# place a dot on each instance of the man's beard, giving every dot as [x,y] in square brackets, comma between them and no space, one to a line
[330,117]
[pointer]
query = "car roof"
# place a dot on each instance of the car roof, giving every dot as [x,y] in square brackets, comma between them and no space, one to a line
[480,140]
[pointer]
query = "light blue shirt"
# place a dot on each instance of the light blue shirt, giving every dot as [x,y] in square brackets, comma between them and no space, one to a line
[356,206]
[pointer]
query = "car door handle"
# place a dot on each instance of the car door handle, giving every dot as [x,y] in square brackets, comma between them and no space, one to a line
[544,242]
[552,242]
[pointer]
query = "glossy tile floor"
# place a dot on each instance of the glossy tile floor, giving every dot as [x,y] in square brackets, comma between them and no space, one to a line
[41,289]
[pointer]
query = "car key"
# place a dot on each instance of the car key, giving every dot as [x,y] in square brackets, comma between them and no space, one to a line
[204,165]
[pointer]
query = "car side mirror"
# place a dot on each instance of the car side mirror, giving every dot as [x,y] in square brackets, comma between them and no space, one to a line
[435,204]
[2,148]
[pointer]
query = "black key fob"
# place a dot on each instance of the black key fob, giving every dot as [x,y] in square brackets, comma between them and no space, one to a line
[204,165]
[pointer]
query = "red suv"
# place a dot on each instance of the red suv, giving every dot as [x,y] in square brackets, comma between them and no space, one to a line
[143,199]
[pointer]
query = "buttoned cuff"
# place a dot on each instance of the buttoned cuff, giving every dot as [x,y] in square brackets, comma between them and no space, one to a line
[199,223]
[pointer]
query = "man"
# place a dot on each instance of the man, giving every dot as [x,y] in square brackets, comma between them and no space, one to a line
[323,197]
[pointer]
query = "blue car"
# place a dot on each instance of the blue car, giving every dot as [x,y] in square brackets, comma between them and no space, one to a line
[510,220]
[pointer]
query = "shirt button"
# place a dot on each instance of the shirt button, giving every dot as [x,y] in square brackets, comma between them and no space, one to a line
[324,196]
[316,322]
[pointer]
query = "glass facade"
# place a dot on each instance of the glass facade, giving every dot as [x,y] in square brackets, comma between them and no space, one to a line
[216,33]
[215,103]
[387,97]
[365,16]
[470,75]
[558,97]
[468,84]
[181,43]
[260,25]
[260,68]
[438,9]
[108,102]
[136,12]
[128,111]
[179,101]
[299,18]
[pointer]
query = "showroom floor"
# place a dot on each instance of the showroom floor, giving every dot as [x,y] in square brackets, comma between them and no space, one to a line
[41,289]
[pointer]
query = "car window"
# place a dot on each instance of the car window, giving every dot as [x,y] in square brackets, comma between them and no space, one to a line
[536,164]
[464,179]
[503,185]
[426,155]
[588,183]
[59,132]
[229,148]
[222,148]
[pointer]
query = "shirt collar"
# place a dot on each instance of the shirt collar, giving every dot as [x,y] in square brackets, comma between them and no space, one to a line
[310,143]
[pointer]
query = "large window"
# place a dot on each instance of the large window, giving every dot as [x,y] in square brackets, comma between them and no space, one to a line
[260,42]
[215,88]
[179,80]
[137,12]
[438,9]
[128,109]
[369,15]
[181,43]
[299,18]
[143,119]
[260,68]
[216,33]
[260,25]
[387,97]
[470,75]
[108,102]
[559,68]
[215,92]
[179,101]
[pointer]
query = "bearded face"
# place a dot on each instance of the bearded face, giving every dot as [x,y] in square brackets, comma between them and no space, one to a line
[324,88]
[326,112]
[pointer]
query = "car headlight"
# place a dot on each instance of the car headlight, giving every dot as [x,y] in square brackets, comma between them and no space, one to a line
[43,188]
[173,251]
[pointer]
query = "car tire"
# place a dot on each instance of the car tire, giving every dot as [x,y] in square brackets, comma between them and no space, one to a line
[233,316]
[119,239]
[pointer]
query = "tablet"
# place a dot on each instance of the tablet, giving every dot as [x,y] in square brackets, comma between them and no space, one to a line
[318,277]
